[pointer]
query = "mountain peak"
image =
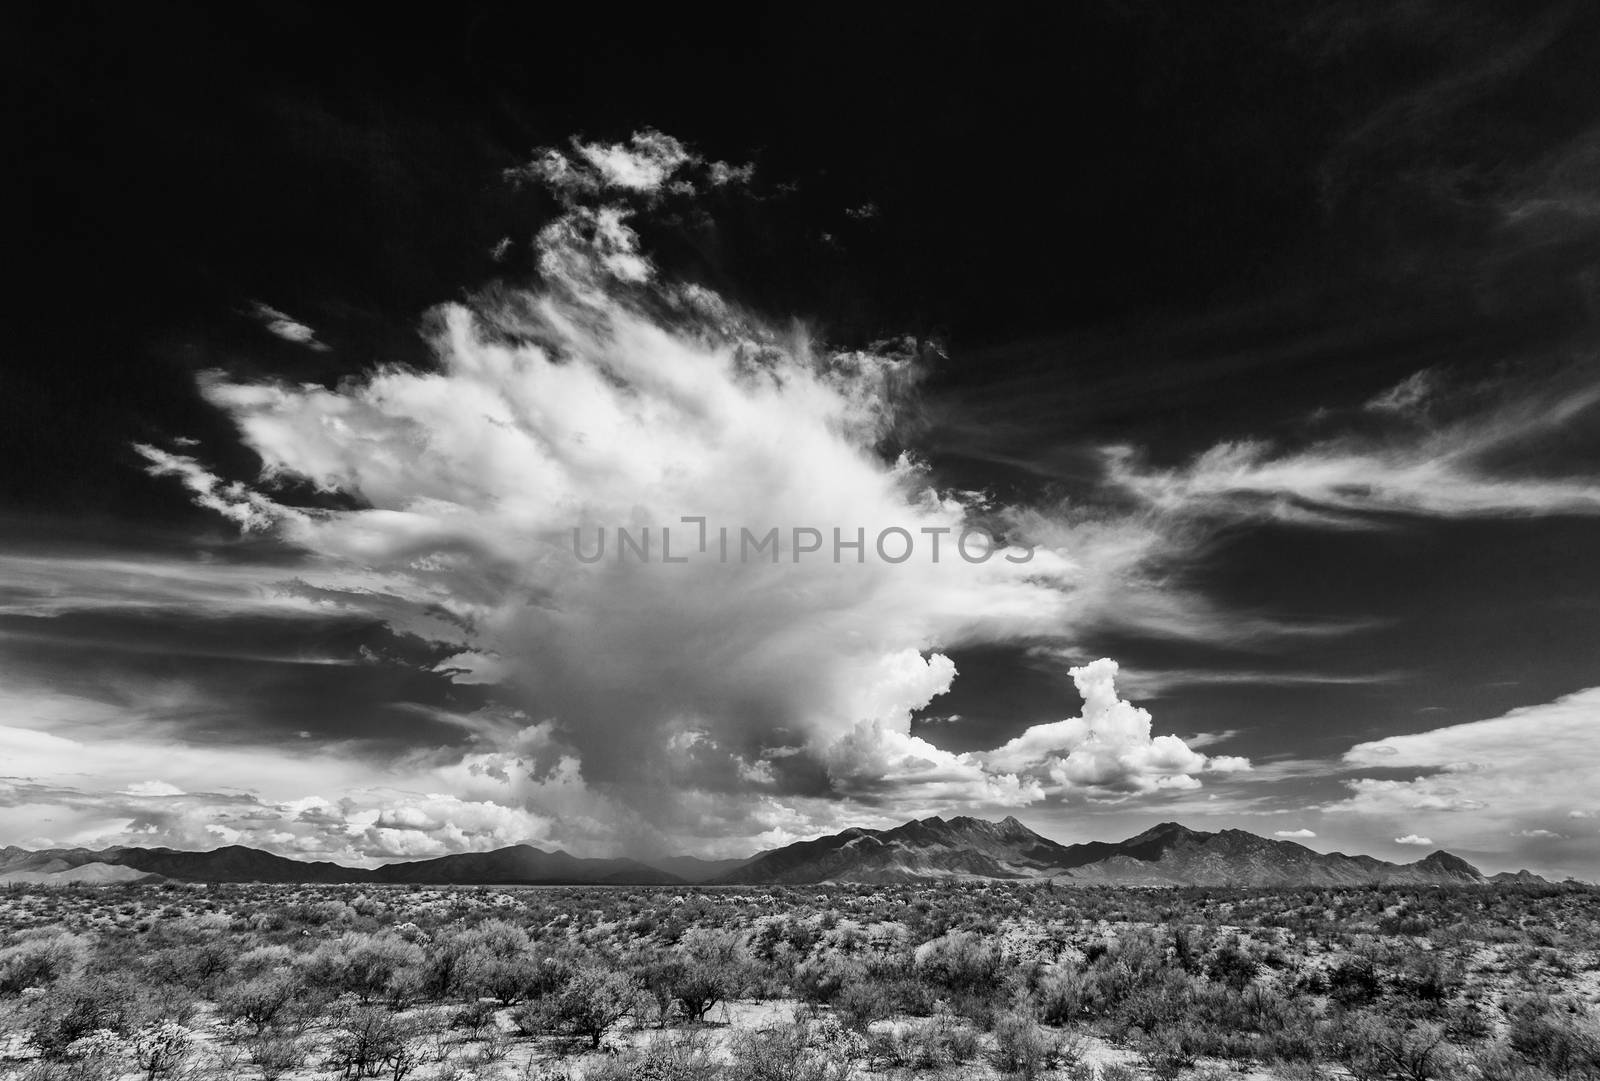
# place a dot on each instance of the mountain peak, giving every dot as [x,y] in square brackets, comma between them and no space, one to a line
[1449,863]
[1165,833]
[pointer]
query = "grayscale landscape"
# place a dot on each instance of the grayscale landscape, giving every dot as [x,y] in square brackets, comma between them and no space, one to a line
[838,542]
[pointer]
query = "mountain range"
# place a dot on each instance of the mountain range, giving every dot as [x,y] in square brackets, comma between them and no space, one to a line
[928,850]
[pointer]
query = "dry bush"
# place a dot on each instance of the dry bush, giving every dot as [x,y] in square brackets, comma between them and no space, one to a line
[1022,1046]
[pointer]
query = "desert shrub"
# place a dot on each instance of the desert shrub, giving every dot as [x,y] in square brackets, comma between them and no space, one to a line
[1169,1051]
[1231,966]
[963,963]
[1298,1070]
[261,960]
[1553,1036]
[1297,1037]
[1120,969]
[276,1053]
[1466,1022]
[1498,1062]
[588,1005]
[160,1049]
[463,961]
[1163,998]
[262,1000]
[195,965]
[474,1018]
[821,979]
[704,969]
[909,995]
[862,1002]
[1374,1045]
[1022,1046]
[493,960]
[1429,978]
[368,1041]
[930,1044]
[98,1057]
[366,966]
[74,1008]
[803,1051]
[485,1056]
[1355,983]
[1059,998]
[38,960]
[669,1056]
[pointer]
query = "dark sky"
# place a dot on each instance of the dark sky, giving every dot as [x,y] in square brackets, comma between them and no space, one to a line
[1358,245]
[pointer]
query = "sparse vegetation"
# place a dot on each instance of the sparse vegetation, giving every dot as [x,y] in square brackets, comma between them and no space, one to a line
[738,984]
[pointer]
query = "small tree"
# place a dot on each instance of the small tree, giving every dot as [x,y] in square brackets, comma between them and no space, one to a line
[263,1000]
[369,1041]
[589,1004]
[708,968]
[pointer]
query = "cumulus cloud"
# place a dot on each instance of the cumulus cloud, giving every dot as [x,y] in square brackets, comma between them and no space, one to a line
[689,691]
[1108,749]
[1296,834]
[1413,839]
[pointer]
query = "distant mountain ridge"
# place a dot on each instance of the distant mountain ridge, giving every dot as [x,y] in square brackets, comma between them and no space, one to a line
[929,850]
[1169,854]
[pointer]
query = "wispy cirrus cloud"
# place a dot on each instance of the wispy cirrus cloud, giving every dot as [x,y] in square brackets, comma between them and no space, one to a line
[1460,468]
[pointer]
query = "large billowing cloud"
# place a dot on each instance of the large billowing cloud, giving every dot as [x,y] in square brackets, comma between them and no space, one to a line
[692,691]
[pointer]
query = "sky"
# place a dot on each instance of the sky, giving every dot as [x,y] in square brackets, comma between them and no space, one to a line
[1214,395]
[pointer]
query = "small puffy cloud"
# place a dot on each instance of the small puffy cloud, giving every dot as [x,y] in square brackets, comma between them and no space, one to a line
[644,164]
[647,165]
[1296,834]
[282,326]
[1108,750]
[1409,397]
[1413,839]
[1537,834]
[720,173]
